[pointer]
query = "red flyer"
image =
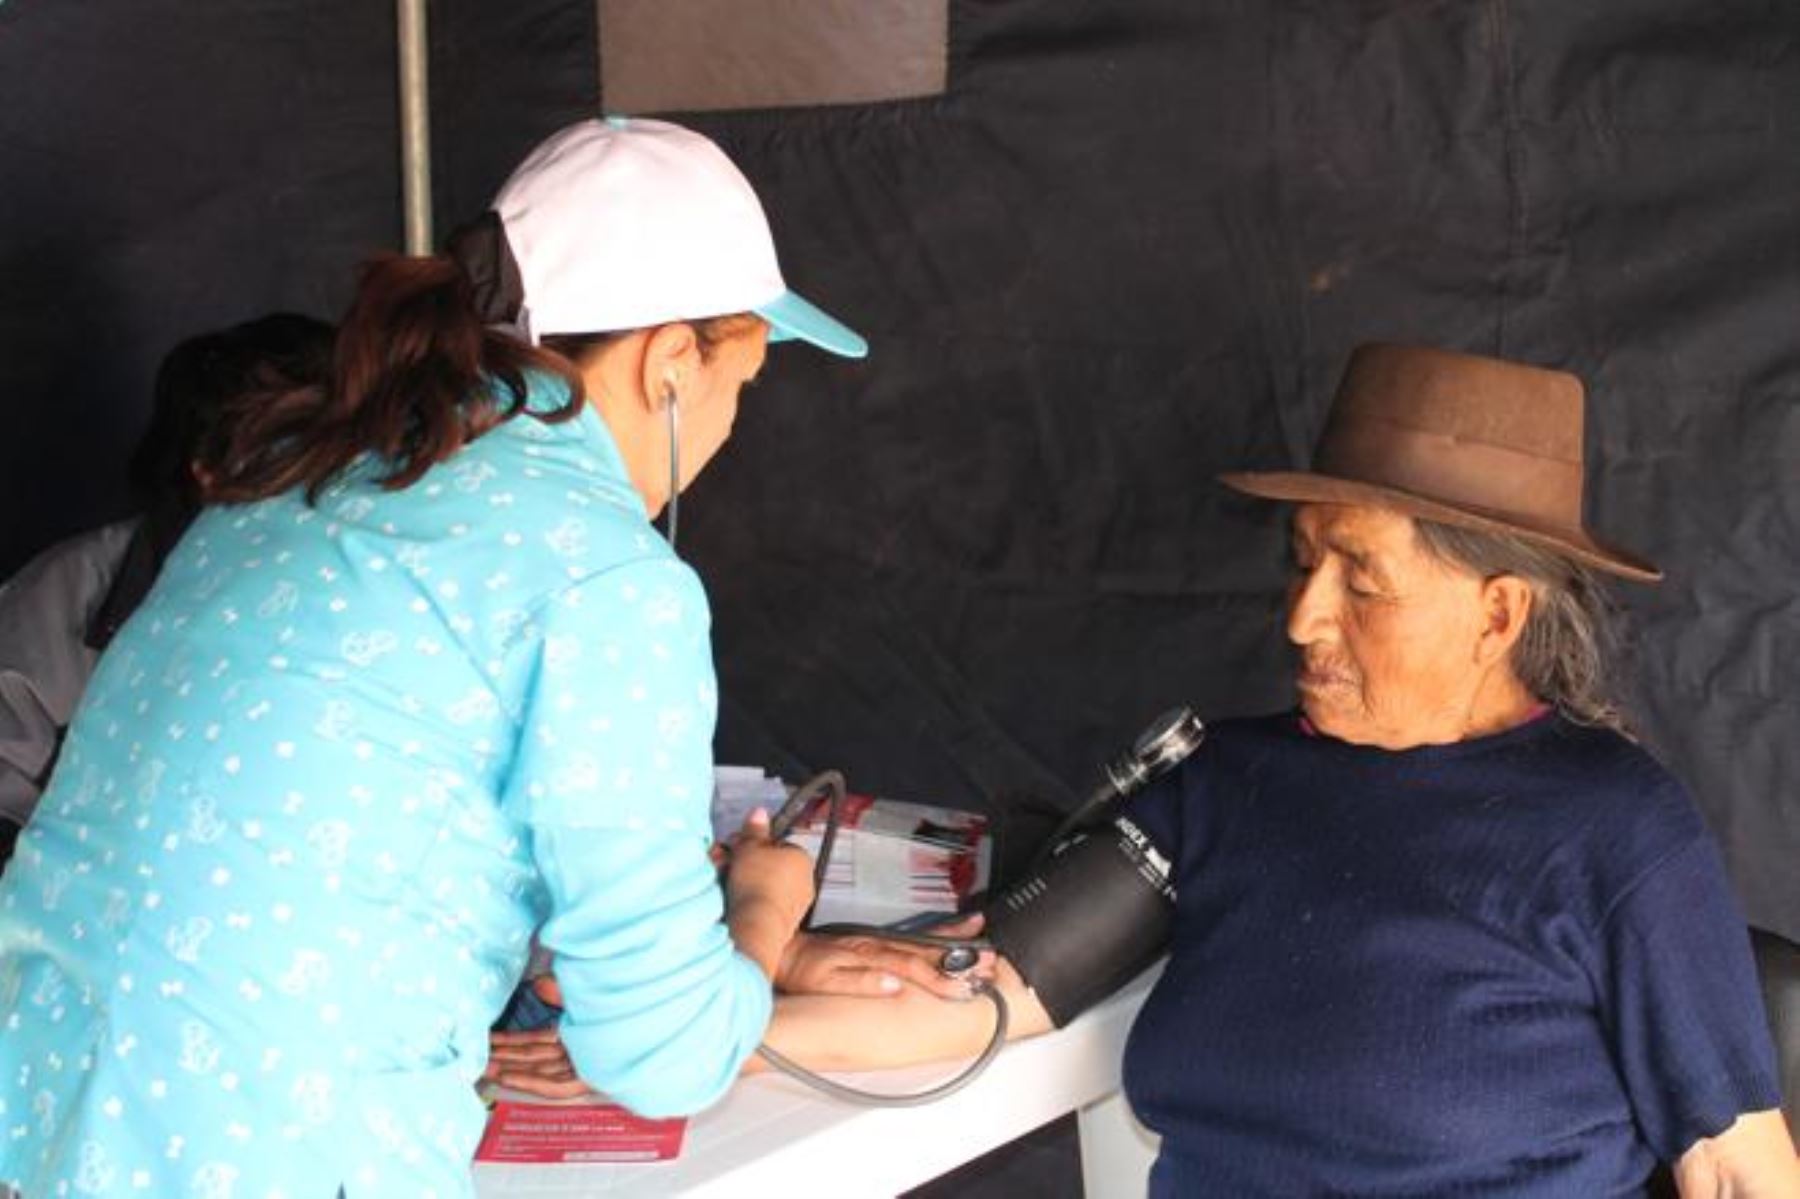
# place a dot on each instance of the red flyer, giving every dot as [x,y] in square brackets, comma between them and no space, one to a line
[576,1132]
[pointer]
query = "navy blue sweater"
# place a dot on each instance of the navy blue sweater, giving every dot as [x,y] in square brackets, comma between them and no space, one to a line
[1509,966]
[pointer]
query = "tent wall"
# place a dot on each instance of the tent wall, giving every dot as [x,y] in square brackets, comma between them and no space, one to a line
[167,168]
[1130,247]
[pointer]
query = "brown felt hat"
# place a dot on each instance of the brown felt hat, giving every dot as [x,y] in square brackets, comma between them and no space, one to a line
[1477,442]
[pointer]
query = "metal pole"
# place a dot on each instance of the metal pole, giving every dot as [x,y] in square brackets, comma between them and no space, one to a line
[415,125]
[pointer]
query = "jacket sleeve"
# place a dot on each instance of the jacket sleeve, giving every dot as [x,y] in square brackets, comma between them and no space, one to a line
[613,778]
[660,1010]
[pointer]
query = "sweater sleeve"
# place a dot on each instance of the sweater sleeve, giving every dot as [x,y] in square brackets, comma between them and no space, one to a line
[1684,1013]
[613,777]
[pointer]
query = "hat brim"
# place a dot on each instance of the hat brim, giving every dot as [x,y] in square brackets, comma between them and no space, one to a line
[792,317]
[1306,488]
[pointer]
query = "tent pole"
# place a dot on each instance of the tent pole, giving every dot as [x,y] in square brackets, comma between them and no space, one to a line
[415,125]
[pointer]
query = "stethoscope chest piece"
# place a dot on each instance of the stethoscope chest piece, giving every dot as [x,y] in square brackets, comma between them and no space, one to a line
[958,960]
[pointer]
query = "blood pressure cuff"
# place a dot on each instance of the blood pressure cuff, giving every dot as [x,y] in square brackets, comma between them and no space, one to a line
[1089,919]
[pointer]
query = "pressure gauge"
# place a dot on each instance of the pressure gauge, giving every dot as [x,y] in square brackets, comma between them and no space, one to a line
[1170,738]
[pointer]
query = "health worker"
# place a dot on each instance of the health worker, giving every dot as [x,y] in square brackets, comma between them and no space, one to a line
[424,680]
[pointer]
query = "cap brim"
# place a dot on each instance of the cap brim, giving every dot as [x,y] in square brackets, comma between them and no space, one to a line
[1304,487]
[792,317]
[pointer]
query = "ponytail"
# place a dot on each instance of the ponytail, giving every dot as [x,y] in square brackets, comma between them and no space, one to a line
[415,376]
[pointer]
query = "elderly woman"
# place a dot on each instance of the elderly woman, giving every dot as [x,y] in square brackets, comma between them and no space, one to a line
[1446,930]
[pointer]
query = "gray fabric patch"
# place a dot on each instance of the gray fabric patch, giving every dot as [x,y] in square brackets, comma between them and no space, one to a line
[711,55]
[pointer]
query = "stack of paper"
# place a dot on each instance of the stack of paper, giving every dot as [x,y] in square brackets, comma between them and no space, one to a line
[892,860]
[738,791]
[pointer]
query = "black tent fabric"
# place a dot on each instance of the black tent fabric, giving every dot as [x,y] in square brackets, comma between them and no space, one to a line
[1129,248]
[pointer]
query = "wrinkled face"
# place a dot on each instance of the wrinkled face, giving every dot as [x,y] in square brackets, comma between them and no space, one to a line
[1387,633]
[709,398]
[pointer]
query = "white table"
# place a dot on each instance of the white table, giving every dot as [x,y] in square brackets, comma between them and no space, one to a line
[771,1136]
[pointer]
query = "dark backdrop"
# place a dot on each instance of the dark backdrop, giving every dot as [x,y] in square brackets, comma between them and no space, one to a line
[1130,247]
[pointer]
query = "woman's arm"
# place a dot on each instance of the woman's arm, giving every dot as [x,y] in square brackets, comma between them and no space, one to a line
[1752,1159]
[661,1006]
[821,1032]
[660,1009]
[834,1032]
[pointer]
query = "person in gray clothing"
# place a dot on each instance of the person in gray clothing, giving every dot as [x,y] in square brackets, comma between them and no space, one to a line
[60,611]
[45,659]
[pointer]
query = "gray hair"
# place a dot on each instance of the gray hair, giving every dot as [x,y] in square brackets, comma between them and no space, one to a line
[1565,652]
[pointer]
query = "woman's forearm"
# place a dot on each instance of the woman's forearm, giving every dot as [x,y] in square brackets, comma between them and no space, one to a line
[760,930]
[832,1032]
[1753,1159]
[767,893]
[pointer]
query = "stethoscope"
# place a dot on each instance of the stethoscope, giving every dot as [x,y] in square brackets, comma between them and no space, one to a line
[959,956]
[1169,739]
[672,510]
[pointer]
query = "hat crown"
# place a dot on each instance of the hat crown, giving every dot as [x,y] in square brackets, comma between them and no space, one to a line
[1498,437]
[1509,405]
[621,224]
[1456,438]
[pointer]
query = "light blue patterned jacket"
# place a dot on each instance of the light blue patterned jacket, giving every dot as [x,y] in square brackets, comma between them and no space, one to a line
[322,789]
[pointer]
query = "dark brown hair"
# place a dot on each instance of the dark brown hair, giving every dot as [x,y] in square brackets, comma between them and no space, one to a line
[414,377]
[209,383]
[709,334]
[204,388]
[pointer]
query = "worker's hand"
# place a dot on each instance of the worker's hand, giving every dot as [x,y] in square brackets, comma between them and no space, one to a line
[767,873]
[816,964]
[533,1062]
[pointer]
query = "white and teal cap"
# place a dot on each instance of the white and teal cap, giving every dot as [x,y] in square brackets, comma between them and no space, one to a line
[623,224]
